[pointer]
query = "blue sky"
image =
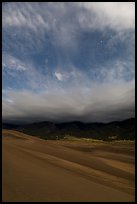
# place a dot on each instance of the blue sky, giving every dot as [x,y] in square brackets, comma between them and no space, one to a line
[68,61]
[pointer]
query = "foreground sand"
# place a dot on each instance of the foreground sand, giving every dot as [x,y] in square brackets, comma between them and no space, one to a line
[39,170]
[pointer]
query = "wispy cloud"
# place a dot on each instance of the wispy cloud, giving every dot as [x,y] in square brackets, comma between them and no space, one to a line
[63,20]
[10,62]
[116,15]
[68,60]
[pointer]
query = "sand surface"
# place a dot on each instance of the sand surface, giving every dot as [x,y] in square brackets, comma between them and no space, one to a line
[39,170]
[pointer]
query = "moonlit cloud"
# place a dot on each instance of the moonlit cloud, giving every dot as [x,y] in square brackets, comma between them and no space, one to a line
[68,61]
[59,76]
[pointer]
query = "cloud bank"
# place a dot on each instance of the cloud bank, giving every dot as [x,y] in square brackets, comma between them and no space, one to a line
[96,103]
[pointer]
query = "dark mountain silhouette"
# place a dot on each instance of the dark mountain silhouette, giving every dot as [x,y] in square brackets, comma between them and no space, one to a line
[9,126]
[105,131]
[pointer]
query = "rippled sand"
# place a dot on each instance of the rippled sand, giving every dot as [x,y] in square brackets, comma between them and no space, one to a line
[38,170]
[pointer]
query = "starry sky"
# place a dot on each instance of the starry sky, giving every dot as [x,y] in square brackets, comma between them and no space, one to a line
[68,61]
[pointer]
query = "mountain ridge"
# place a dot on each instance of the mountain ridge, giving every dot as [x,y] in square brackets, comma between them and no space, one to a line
[106,131]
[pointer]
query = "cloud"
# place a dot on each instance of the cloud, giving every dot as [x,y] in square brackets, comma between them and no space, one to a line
[59,76]
[53,61]
[10,62]
[65,75]
[23,73]
[31,17]
[10,101]
[114,15]
[63,21]
[96,103]
[19,15]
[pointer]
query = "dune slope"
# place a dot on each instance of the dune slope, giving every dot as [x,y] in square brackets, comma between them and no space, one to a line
[38,170]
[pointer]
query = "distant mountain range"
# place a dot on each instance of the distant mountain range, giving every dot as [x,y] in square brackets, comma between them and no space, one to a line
[105,131]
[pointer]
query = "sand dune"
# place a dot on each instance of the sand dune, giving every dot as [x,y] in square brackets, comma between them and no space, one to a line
[39,170]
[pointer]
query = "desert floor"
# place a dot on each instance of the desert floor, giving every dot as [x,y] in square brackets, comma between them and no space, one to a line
[68,170]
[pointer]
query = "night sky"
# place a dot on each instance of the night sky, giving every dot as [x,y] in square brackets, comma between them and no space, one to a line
[68,61]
